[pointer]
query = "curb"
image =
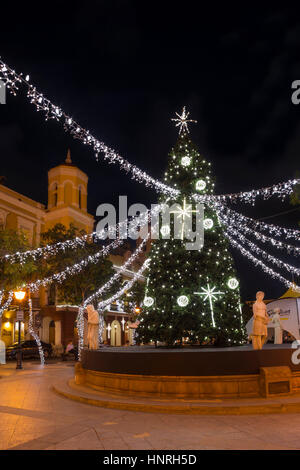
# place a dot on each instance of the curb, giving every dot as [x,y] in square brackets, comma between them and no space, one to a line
[247,409]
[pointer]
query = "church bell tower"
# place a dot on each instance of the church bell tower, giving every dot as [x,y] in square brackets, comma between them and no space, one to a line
[67,197]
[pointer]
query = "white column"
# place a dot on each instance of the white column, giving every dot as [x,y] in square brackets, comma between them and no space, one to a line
[57,332]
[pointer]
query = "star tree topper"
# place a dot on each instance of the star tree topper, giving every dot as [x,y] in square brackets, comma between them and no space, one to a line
[182,121]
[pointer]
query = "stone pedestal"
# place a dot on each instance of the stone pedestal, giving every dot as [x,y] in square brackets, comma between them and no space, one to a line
[275,381]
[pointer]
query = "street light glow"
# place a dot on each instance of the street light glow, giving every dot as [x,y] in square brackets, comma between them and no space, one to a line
[19,294]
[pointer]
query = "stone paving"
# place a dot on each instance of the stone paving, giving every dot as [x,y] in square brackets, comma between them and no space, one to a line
[33,417]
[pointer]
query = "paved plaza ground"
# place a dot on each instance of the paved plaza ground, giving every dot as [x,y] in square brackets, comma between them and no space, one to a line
[33,417]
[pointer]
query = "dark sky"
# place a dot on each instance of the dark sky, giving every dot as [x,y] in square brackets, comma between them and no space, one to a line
[122,69]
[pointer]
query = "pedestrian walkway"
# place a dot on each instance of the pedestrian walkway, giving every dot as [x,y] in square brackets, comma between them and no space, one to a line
[33,417]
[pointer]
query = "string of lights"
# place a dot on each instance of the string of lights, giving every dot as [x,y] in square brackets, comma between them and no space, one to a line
[118,274]
[280,190]
[13,80]
[291,249]
[104,288]
[256,249]
[33,333]
[102,305]
[75,268]
[261,264]
[49,250]
[230,216]
[110,232]
[6,303]
[80,329]
[126,287]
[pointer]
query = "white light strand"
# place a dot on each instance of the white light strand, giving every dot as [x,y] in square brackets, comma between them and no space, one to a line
[291,249]
[80,328]
[258,262]
[101,327]
[101,306]
[256,249]
[230,215]
[75,268]
[52,249]
[126,287]
[49,250]
[7,303]
[11,79]
[280,190]
[118,274]
[34,334]
[279,245]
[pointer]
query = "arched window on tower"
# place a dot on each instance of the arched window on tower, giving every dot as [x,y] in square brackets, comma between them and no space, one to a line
[79,197]
[55,195]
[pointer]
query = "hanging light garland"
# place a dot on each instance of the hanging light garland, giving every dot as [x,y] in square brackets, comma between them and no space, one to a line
[291,249]
[52,249]
[102,305]
[126,287]
[33,333]
[12,81]
[80,329]
[254,248]
[260,263]
[6,303]
[75,268]
[118,274]
[229,216]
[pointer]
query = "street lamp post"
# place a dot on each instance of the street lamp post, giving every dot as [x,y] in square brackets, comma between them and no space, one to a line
[19,295]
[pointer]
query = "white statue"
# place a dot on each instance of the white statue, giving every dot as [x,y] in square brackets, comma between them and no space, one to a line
[134,327]
[277,326]
[260,321]
[93,327]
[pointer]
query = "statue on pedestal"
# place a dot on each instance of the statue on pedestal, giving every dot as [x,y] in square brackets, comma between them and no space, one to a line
[93,327]
[277,326]
[134,327]
[260,321]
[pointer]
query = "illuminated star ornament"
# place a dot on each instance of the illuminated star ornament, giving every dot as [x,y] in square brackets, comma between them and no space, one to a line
[210,294]
[182,121]
[183,213]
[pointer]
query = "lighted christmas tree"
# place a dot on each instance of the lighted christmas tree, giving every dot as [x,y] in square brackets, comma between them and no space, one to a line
[191,295]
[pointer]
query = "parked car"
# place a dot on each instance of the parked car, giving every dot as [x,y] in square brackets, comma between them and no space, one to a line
[29,350]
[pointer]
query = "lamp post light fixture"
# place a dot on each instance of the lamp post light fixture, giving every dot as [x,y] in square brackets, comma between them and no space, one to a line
[19,296]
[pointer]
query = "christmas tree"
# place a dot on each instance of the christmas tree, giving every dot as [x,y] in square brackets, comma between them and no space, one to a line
[191,295]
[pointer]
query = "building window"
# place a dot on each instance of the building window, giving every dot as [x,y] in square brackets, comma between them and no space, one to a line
[52,295]
[55,195]
[79,197]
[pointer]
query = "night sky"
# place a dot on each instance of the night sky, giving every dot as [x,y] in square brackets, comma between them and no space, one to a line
[123,68]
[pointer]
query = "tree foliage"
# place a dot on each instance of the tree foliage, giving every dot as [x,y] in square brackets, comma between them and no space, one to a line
[175,271]
[14,275]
